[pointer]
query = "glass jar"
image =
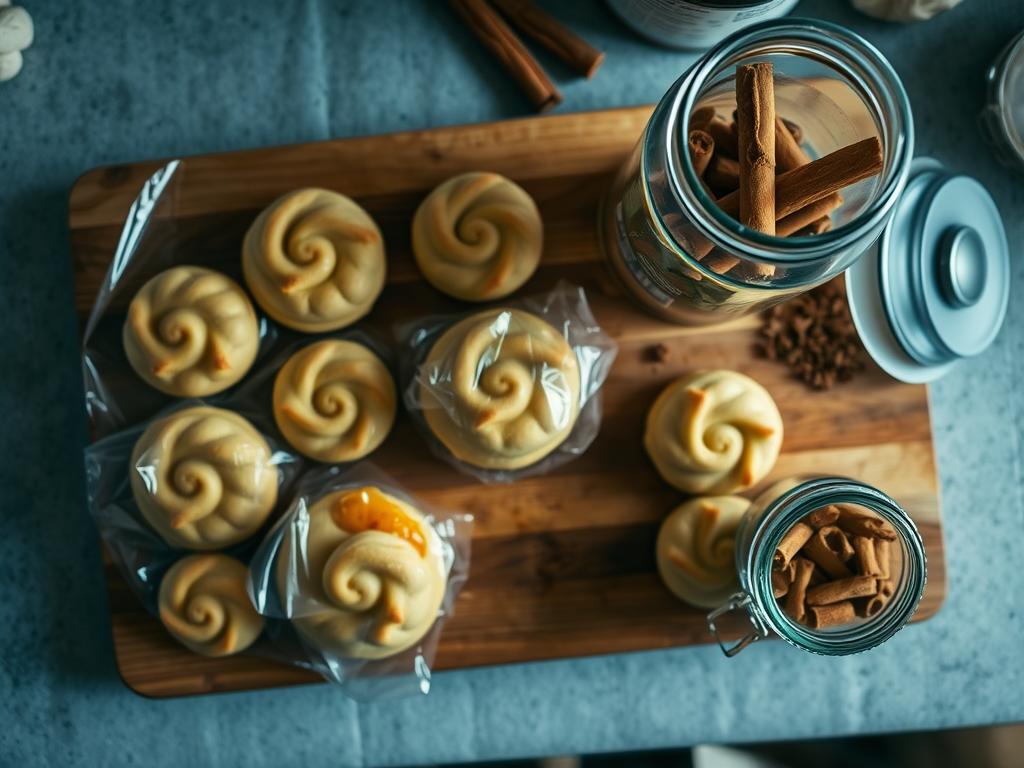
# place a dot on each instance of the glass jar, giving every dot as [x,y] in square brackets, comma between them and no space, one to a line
[761,530]
[659,222]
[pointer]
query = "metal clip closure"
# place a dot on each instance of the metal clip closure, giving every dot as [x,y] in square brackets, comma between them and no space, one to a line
[737,601]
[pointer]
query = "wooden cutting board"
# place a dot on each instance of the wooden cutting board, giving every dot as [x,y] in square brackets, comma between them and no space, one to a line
[562,565]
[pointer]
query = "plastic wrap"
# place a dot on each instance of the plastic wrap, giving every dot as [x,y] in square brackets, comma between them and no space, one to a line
[219,481]
[367,605]
[510,391]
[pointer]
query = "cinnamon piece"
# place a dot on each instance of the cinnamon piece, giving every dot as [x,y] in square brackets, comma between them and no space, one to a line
[816,227]
[791,543]
[725,136]
[795,130]
[719,261]
[819,518]
[788,152]
[883,556]
[723,174]
[809,214]
[700,118]
[860,523]
[819,548]
[818,577]
[833,615]
[819,178]
[782,579]
[870,606]
[867,563]
[494,33]
[842,589]
[795,605]
[552,34]
[701,147]
[755,131]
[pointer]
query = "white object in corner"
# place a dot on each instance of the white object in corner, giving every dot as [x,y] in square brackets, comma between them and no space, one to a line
[904,10]
[16,34]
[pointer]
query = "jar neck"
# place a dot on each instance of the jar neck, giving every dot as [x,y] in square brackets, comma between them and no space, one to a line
[780,514]
[859,63]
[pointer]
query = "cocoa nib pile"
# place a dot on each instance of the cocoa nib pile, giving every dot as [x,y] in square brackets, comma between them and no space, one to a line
[814,335]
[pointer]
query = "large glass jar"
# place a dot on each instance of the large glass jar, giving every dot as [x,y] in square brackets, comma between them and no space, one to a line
[659,222]
[763,527]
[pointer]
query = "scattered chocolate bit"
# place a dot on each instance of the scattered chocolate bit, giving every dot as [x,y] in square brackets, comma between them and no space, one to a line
[657,353]
[814,335]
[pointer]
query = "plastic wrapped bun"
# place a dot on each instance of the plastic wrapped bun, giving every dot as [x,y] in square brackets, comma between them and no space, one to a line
[713,432]
[695,550]
[373,568]
[477,237]
[204,603]
[191,332]
[502,389]
[203,478]
[314,260]
[334,401]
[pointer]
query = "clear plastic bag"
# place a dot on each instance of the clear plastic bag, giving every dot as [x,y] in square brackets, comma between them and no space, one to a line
[367,605]
[510,391]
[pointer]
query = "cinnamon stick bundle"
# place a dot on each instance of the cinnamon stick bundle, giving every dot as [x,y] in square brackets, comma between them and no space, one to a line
[494,33]
[552,34]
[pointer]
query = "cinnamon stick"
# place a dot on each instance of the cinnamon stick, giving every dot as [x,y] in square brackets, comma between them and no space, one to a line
[788,152]
[552,34]
[794,129]
[700,118]
[701,147]
[791,543]
[724,135]
[820,549]
[842,589]
[494,33]
[819,178]
[755,131]
[808,215]
[795,605]
[723,174]
[883,555]
[834,615]
[867,563]
[816,227]
[860,523]
[819,518]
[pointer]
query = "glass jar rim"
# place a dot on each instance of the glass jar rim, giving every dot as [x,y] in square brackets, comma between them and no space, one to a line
[724,229]
[790,507]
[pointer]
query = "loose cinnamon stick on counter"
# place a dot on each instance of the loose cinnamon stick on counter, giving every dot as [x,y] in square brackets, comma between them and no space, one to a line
[494,33]
[552,34]
[823,616]
[819,178]
[808,215]
[842,589]
[701,146]
[755,132]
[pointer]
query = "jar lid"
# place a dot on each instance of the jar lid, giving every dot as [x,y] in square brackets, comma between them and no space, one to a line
[1002,119]
[936,286]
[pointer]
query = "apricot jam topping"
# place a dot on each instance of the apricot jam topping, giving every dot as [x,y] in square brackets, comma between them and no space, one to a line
[367,509]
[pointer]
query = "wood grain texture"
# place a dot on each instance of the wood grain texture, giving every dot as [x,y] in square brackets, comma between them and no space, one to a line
[562,565]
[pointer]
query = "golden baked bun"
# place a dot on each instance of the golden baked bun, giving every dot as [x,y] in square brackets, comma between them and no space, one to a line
[375,565]
[314,260]
[477,237]
[334,401]
[191,332]
[507,392]
[204,604]
[203,478]
[696,547]
[713,432]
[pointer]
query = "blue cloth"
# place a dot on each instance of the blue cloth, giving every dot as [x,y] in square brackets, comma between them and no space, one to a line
[117,81]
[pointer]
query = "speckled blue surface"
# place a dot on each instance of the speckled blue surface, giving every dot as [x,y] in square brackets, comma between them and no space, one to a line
[120,81]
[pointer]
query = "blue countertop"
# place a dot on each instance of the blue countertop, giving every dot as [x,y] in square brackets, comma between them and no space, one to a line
[119,81]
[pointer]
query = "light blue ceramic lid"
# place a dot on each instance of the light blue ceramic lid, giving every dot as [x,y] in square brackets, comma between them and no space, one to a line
[936,287]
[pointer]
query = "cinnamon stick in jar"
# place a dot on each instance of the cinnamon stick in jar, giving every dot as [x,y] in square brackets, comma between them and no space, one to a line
[842,589]
[701,147]
[795,597]
[808,215]
[833,615]
[494,33]
[791,543]
[723,174]
[755,132]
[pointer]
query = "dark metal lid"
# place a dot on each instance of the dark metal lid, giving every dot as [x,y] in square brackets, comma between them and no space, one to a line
[942,277]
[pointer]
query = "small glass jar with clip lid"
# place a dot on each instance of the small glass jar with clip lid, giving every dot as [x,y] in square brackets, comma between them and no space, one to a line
[831,565]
